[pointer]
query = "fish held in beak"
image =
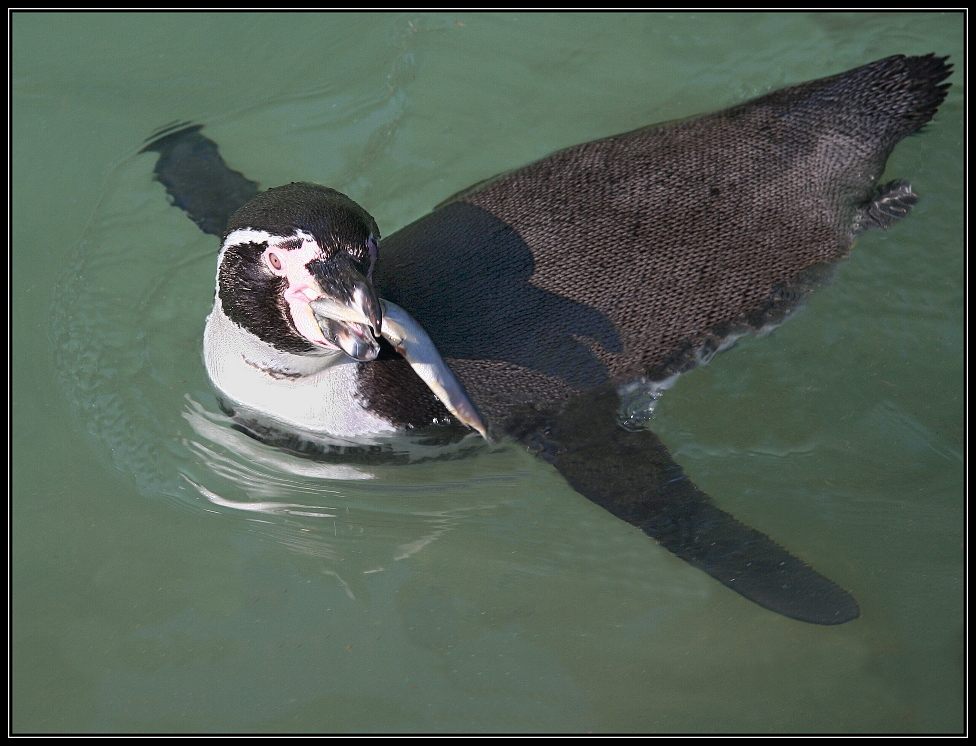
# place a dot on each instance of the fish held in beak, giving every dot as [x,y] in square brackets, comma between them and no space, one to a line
[356,340]
[408,338]
[348,311]
[352,324]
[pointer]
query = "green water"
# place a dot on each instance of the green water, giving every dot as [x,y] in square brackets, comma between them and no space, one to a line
[164,582]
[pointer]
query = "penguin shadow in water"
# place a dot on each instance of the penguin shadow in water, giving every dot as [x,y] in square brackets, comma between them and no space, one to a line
[471,310]
[630,258]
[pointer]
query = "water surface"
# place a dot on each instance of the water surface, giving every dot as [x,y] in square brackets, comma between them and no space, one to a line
[168,579]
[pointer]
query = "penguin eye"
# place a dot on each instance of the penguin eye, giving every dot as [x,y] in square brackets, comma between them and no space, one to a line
[274,261]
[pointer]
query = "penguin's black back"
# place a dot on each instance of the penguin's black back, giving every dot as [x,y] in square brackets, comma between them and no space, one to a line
[641,253]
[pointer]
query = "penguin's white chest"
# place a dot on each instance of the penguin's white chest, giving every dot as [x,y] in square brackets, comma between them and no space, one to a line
[317,395]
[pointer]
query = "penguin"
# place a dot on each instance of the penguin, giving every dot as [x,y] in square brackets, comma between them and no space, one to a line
[296,315]
[539,305]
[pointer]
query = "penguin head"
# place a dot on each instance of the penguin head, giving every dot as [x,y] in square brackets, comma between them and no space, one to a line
[295,270]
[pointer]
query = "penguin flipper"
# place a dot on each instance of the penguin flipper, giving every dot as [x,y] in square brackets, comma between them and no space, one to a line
[632,475]
[196,177]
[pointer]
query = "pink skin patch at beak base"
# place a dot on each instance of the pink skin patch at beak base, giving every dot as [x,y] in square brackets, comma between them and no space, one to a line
[302,286]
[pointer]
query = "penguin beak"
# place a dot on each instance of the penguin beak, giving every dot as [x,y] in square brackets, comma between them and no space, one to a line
[348,311]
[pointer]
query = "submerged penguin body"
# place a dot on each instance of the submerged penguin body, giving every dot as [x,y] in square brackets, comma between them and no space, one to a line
[641,254]
[546,291]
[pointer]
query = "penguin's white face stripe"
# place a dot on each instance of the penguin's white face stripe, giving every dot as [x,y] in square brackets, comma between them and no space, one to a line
[248,235]
[288,257]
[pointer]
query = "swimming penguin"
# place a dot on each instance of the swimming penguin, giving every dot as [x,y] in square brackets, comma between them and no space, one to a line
[532,305]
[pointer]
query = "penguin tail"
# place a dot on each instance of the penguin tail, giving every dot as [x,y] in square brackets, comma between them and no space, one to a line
[196,177]
[632,475]
[881,102]
[909,90]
